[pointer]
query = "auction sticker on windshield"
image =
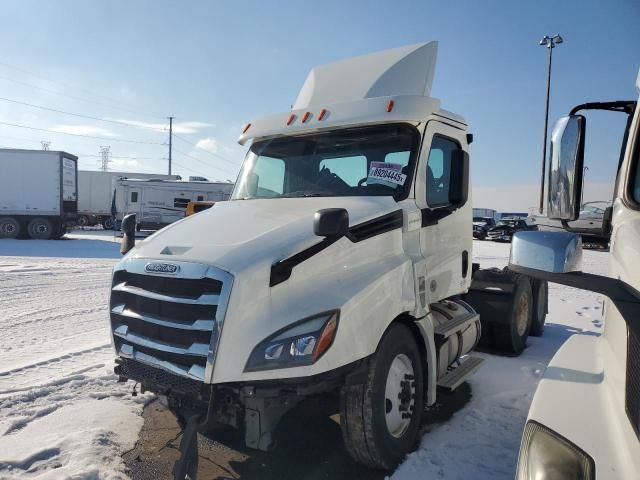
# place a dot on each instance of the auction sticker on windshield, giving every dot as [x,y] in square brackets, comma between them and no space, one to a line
[384,173]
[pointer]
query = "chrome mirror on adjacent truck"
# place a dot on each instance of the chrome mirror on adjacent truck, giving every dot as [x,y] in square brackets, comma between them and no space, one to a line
[128,233]
[551,252]
[565,172]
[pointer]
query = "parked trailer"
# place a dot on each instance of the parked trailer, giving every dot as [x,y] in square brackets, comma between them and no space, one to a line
[38,193]
[158,203]
[95,192]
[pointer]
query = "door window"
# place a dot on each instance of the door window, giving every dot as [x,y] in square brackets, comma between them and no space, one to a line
[439,171]
[134,197]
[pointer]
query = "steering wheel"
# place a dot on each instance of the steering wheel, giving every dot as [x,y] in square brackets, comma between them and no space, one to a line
[362,180]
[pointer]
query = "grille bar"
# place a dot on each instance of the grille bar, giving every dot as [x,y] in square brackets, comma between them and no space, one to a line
[204,299]
[197,349]
[205,325]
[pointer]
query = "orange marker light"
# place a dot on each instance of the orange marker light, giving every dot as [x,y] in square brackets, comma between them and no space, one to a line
[326,337]
[305,117]
[246,127]
[323,113]
[390,105]
[292,118]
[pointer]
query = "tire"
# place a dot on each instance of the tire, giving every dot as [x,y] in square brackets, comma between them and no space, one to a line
[9,227]
[40,229]
[374,431]
[540,307]
[512,337]
[83,221]
[60,231]
[107,223]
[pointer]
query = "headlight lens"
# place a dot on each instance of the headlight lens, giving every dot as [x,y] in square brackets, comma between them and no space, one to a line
[545,455]
[300,344]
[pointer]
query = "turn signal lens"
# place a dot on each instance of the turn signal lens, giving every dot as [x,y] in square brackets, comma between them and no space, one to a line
[390,105]
[322,114]
[291,119]
[326,337]
[246,127]
[305,117]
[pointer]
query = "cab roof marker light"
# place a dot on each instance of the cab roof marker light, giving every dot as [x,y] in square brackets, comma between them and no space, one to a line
[291,119]
[390,105]
[322,114]
[305,117]
[246,127]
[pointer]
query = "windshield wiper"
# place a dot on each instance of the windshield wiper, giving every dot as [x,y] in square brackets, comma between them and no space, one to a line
[301,193]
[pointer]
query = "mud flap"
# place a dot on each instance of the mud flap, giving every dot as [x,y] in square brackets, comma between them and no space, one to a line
[186,468]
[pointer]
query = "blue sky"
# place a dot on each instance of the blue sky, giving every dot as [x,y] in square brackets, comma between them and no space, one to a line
[214,65]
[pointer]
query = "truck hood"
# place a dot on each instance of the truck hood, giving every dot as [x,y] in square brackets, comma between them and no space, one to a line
[235,234]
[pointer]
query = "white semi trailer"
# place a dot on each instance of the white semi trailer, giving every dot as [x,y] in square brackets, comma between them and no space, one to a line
[38,193]
[157,203]
[340,269]
[95,194]
[584,421]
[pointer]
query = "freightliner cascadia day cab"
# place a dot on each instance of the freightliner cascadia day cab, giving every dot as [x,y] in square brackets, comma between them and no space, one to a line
[584,421]
[38,193]
[340,269]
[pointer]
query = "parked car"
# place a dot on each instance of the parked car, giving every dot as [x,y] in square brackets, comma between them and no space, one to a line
[481,226]
[505,228]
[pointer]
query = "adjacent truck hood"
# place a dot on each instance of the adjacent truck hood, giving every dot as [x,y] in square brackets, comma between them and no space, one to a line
[235,234]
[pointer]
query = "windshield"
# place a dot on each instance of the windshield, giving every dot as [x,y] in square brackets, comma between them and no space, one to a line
[365,161]
[507,223]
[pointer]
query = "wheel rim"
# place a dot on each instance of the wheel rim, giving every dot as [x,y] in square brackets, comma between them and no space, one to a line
[40,228]
[7,228]
[522,315]
[399,395]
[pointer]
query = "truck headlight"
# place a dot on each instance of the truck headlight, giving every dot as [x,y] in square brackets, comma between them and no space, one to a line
[546,455]
[302,343]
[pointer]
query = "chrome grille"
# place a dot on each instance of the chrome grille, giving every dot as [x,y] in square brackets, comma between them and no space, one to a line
[172,322]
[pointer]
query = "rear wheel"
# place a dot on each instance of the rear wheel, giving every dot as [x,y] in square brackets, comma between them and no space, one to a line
[380,419]
[40,229]
[83,221]
[512,337]
[540,307]
[107,223]
[9,227]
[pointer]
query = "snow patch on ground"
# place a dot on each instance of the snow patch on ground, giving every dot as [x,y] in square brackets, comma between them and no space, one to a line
[62,412]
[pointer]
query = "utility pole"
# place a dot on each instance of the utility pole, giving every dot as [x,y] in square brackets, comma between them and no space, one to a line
[105,153]
[550,43]
[170,140]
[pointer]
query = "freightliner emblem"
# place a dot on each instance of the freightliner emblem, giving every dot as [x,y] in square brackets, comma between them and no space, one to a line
[166,268]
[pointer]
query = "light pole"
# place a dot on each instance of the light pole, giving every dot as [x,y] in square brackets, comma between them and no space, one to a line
[549,42]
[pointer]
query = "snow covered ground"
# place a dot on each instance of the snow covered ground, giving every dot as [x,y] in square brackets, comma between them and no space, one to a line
[61,411]
[62,414]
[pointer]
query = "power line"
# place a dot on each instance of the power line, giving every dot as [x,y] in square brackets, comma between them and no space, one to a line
[202,161]
[118,122]
[72,96]
[74,87]
[208,151]
[112,139]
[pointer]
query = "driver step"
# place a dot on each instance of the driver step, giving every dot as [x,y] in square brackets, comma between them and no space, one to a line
[454,378]
[456,324]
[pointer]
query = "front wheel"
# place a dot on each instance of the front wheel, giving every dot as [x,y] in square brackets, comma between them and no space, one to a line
[380,419]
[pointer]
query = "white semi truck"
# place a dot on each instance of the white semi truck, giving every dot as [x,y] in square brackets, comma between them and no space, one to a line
[340,269]
[157,203]
[38,193]
[584,421]
[95,194]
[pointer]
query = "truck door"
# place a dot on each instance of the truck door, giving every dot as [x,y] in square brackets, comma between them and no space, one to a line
[446,234]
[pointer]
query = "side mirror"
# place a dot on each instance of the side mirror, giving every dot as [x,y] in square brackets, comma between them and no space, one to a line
[128,233]
[459,183]
[551,252]
[331,222]
[565,172]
